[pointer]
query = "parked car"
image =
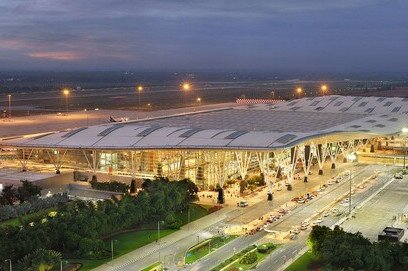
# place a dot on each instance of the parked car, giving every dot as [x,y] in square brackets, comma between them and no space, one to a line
[325,214]
[398,175]
[334,210]
[242,204]
[318,221]
[305,223]
[303,227]
[301,201]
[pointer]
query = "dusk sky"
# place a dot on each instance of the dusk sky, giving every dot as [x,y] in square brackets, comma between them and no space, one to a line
[282,35]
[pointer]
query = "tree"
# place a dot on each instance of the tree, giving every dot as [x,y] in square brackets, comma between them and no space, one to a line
[9,195]
[27,190]
[249,258]
[132,186]
[40,260]
[242,186]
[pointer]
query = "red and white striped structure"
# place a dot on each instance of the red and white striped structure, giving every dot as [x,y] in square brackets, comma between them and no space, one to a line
[258,101]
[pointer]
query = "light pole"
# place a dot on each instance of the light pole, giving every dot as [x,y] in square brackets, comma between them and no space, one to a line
[62,262]
[299,91]
[351,157]
[9,106]
[10,265]
[404,134]
[324,89]
[112,247]
[66,93]
[185,87]
[158,235]
[139,91]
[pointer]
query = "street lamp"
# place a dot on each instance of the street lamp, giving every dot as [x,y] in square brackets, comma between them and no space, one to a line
[62,263]
[324,89]
[10,266]
[186,87]
[139,91]
[112,247]
[405,134]
[299,91]
[66,93]
[199,101]
[9,106]
[351,157]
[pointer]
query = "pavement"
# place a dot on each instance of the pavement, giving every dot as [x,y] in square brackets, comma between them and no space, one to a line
[372,218]
[172,248]
[285,255]
[58,122]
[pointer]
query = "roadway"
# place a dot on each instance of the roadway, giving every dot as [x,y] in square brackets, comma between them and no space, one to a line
[295,248]
[172,248]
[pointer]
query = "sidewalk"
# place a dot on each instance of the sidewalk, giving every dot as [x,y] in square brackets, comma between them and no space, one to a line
[187,230]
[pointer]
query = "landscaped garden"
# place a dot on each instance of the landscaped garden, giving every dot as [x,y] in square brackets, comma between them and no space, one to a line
[82,231]
[246,259]
[306,262]
[339,250]
[204,248]
[154,267]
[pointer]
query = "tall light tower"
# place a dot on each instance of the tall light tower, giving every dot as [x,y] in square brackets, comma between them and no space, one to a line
[404,133]
[186,87]
[66,93]
[9,106]
[299,91]
[324,89]
[139,89]
[352,157]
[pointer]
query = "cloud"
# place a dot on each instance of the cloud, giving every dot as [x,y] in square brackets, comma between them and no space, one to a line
[154,34]
[60,56]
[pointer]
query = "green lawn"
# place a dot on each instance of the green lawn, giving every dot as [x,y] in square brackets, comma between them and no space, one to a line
[226,265]
[130,241]
[245,267]
[200,250]
[196,212]
[27,217]
[303,263]
[156,266]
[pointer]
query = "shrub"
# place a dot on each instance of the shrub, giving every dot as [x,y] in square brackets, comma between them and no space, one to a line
[266,248]
[31,206]
[113,186]
[249,258]
[90,248]
[41,259]
[172,222]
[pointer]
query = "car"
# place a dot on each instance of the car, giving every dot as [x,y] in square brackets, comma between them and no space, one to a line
[305,223]
[303,227]
[398,175]
[242,204]
[301,201]
[295,230]
[318,221]
[334,210]
[325,214]
[282,211]
[330,183]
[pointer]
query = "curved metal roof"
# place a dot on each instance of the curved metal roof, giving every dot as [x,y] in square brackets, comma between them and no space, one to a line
[260,126]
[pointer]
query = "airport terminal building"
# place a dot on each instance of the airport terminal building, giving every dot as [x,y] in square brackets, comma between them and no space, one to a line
[209,147]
